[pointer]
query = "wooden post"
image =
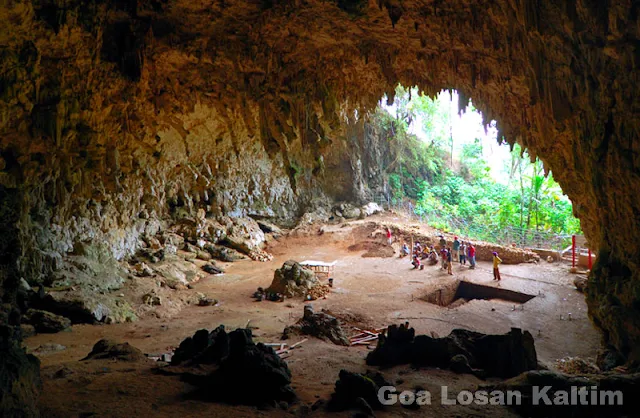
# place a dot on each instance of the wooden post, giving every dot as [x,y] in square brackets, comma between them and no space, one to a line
[573,250]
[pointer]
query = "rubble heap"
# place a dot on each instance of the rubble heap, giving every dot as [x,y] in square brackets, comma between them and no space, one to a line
[462,350]
[320,325]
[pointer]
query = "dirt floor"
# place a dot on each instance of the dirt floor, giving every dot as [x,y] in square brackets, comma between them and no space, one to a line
[368,292]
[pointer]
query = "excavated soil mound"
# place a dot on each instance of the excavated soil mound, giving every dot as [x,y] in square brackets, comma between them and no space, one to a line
[484,250]
[373,249]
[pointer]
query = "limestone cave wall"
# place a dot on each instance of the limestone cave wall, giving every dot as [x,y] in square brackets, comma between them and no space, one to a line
[115,114]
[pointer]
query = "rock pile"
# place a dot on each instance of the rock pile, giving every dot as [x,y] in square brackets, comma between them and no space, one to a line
[292,279]
[248,373]
[318,292]
[320,325]
[462,350]
[260,255]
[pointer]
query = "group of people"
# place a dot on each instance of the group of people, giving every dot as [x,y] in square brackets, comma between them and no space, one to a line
[460,252]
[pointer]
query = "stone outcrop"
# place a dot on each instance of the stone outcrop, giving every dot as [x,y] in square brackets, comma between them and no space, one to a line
[463,351]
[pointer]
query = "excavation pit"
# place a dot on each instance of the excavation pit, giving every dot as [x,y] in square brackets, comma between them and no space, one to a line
[460,292]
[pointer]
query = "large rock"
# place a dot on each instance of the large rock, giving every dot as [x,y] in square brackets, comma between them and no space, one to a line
[112,350]
[320,325]
[504,355]
[353,388]
[223,253]
[244,235]
[46,322]
[251,375]
[371,208]
[292,279]
[203,348]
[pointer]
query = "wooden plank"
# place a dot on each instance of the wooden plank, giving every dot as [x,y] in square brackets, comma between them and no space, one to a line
[298,343]
[364,340]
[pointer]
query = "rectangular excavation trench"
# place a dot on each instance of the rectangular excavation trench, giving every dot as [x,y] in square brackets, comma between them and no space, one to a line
[460,292]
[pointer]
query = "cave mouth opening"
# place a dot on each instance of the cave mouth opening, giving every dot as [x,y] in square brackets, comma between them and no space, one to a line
[452,163]
[460,292]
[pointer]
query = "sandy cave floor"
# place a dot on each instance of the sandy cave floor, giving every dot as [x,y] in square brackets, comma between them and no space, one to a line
[368,292]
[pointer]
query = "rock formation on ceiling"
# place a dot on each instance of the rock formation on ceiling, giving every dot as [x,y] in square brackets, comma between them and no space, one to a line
[118,114]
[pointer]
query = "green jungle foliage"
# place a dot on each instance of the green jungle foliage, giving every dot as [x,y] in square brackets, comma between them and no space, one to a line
[459,194]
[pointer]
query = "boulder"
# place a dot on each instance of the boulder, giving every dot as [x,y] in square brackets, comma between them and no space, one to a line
[244,235]
[203,348]
[351,390]
[320,325]
[177,274]
[111,350]
[222,253]
[292,279]
[371,208]
[203,255]
[211,268]
[269,228]
[151,299]
[580,282]
[46,322]
[251,374]
[348,211]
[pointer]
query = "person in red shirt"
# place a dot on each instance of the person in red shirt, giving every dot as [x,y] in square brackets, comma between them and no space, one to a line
[472,256]
[389,239]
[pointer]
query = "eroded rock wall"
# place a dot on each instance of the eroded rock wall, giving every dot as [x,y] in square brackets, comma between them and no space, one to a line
[116,114]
